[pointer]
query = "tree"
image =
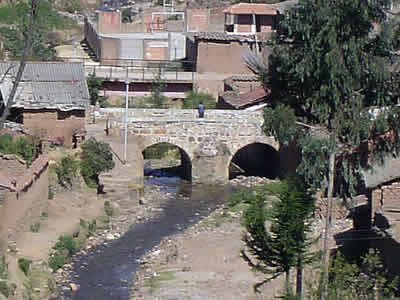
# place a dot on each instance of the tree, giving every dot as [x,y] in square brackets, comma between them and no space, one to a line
[94,84]
[283,243]
[329,66]
[16,16]
[366,280]
[157,99]
[28,34]
[96,157]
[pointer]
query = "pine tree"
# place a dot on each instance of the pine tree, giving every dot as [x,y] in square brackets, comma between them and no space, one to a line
[333,91]
[284,244]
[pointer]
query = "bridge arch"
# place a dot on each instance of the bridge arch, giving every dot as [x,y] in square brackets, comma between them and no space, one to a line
[185,168]
[256,159]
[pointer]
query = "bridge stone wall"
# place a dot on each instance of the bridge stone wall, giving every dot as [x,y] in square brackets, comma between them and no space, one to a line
[209,143]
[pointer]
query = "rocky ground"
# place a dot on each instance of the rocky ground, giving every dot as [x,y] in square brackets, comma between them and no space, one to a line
[204,261]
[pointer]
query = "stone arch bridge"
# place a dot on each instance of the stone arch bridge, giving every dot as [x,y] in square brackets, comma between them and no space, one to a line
[207,145]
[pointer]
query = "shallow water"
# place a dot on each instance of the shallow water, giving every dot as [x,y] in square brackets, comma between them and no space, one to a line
[107,273]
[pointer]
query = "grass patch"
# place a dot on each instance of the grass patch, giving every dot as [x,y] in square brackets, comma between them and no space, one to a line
[24,265]
[4,289]
[154,283]
[35,227]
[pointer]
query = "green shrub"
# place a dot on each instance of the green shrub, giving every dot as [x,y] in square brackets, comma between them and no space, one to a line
[66,242]
[24,265]
[193,99]
[67,170]
[22,146]
[3,267]
[7,145]
[51,194]
[96,157]
[44,215]
[4,289]
[108,208]
[158,151]
[35,227]
[58,260]
[92,227]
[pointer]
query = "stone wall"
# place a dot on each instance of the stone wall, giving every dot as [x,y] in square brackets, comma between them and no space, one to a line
[209,143]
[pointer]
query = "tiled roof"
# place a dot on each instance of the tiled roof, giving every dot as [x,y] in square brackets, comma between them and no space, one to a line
[56,85]
[251,8]
[241,100]
[380,174]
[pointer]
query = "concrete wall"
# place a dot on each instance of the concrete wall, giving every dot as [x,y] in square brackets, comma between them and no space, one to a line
[55,123]
[92,38]
[222,57]
[20,209]
[110,48]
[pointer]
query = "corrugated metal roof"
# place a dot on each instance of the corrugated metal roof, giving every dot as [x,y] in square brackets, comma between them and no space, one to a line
[56,85]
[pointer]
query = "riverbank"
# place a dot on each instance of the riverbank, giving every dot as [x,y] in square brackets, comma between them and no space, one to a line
[204,261]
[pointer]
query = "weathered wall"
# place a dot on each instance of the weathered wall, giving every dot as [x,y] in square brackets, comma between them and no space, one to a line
[21,208]
[211,86]
[222,57]
[55,123]
[197,19]
[109,22]
[110,49]
[12,165]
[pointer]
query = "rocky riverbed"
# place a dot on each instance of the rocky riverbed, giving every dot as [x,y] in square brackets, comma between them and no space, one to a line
[195,262]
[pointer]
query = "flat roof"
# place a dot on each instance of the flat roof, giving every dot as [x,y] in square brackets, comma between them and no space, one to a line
[251,8]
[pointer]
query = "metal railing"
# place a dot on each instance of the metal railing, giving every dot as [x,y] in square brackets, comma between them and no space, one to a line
[138,69]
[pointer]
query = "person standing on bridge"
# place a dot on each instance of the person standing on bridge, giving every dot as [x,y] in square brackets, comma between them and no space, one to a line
[200,108]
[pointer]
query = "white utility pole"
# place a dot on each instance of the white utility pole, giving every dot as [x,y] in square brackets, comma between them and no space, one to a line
[126,116]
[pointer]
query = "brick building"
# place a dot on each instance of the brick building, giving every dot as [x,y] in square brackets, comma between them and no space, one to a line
[250,18]
[51,98]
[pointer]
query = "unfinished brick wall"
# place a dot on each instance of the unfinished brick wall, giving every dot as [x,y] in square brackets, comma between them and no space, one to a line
[56,124]
[109,22]
[386,208]
[222,57]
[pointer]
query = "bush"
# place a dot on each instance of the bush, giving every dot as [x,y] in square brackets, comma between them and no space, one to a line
[66,170]
[3,267]
[24,265]
[51,194]
[22,146]
[193,99]
[67,243]
[158,151]
[35,227]
[58,260]
[96,157]
[4,289]
[108,208]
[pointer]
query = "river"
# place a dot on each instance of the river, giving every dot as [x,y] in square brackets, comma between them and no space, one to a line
[107,272]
